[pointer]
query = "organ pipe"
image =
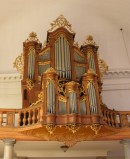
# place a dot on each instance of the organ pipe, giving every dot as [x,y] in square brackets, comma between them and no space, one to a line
[50,98]
[62,58]
[73,102]
[92,98]
[31,64]
[91,61]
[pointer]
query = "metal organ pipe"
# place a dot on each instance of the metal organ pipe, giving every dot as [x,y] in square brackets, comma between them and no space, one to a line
[62,58]
[56,55]
[65,58]
[50,98]
[91,62]
[69,66]
[92,99]
[73,102]
[59,46]
[31,63]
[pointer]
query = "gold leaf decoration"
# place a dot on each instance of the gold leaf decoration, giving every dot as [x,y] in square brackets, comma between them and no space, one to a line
[103,67]
[96,128]
[19,64]
[89,41]
[32,37]
[29,84]
[61,22]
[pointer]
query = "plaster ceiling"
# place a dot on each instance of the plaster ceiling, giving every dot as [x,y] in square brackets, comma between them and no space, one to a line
[102,19]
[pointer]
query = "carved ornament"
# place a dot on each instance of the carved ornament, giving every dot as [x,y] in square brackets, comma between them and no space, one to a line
[29,84]
[63,134]
[61,21]
[50,128]
[96,128]
[76,44]
[89,41]
[73,127]
[40,97]
[51,69]
[19,64]
[32,37]
[103,67]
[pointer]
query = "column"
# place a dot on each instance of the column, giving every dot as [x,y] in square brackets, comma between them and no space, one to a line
[9,148]
[126,145]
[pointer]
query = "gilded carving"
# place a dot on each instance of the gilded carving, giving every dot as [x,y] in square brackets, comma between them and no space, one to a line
[80,65]
[44,63]
[40,96]
[32,37]
[76,44]
[61,88]
[19,64]
[51,69]
[73,127]
[89,41]
[62,98]
[60,22]
[29,84]
[50,128]
[96,128]
[103,67]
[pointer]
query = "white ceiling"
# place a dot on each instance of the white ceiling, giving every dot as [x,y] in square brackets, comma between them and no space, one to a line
[102,19]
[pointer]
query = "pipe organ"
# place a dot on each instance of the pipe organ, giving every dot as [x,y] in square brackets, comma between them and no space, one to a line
[67,75]
[61,89]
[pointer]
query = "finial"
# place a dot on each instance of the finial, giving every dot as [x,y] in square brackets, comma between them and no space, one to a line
[61,21]
[32,37]
[89,41]
[89,37]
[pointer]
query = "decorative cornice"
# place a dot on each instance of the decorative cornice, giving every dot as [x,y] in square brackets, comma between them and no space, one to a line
[121,73]
[111,74]
[116,80]
[10,77]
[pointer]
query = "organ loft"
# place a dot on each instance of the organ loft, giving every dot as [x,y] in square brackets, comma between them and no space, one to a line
[61,92]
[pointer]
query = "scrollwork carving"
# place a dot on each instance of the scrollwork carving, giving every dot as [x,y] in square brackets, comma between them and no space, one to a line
[19,63]
[61,22]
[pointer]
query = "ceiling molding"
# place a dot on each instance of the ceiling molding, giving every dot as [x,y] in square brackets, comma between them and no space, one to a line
[10,77]
[121,73]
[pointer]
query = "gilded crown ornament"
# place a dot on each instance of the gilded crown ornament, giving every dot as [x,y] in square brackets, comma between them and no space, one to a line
[32,37]
[60,22]
[89,41]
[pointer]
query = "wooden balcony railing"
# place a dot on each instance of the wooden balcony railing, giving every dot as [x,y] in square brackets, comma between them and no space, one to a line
[20,117]
[34,115]
[116,119]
